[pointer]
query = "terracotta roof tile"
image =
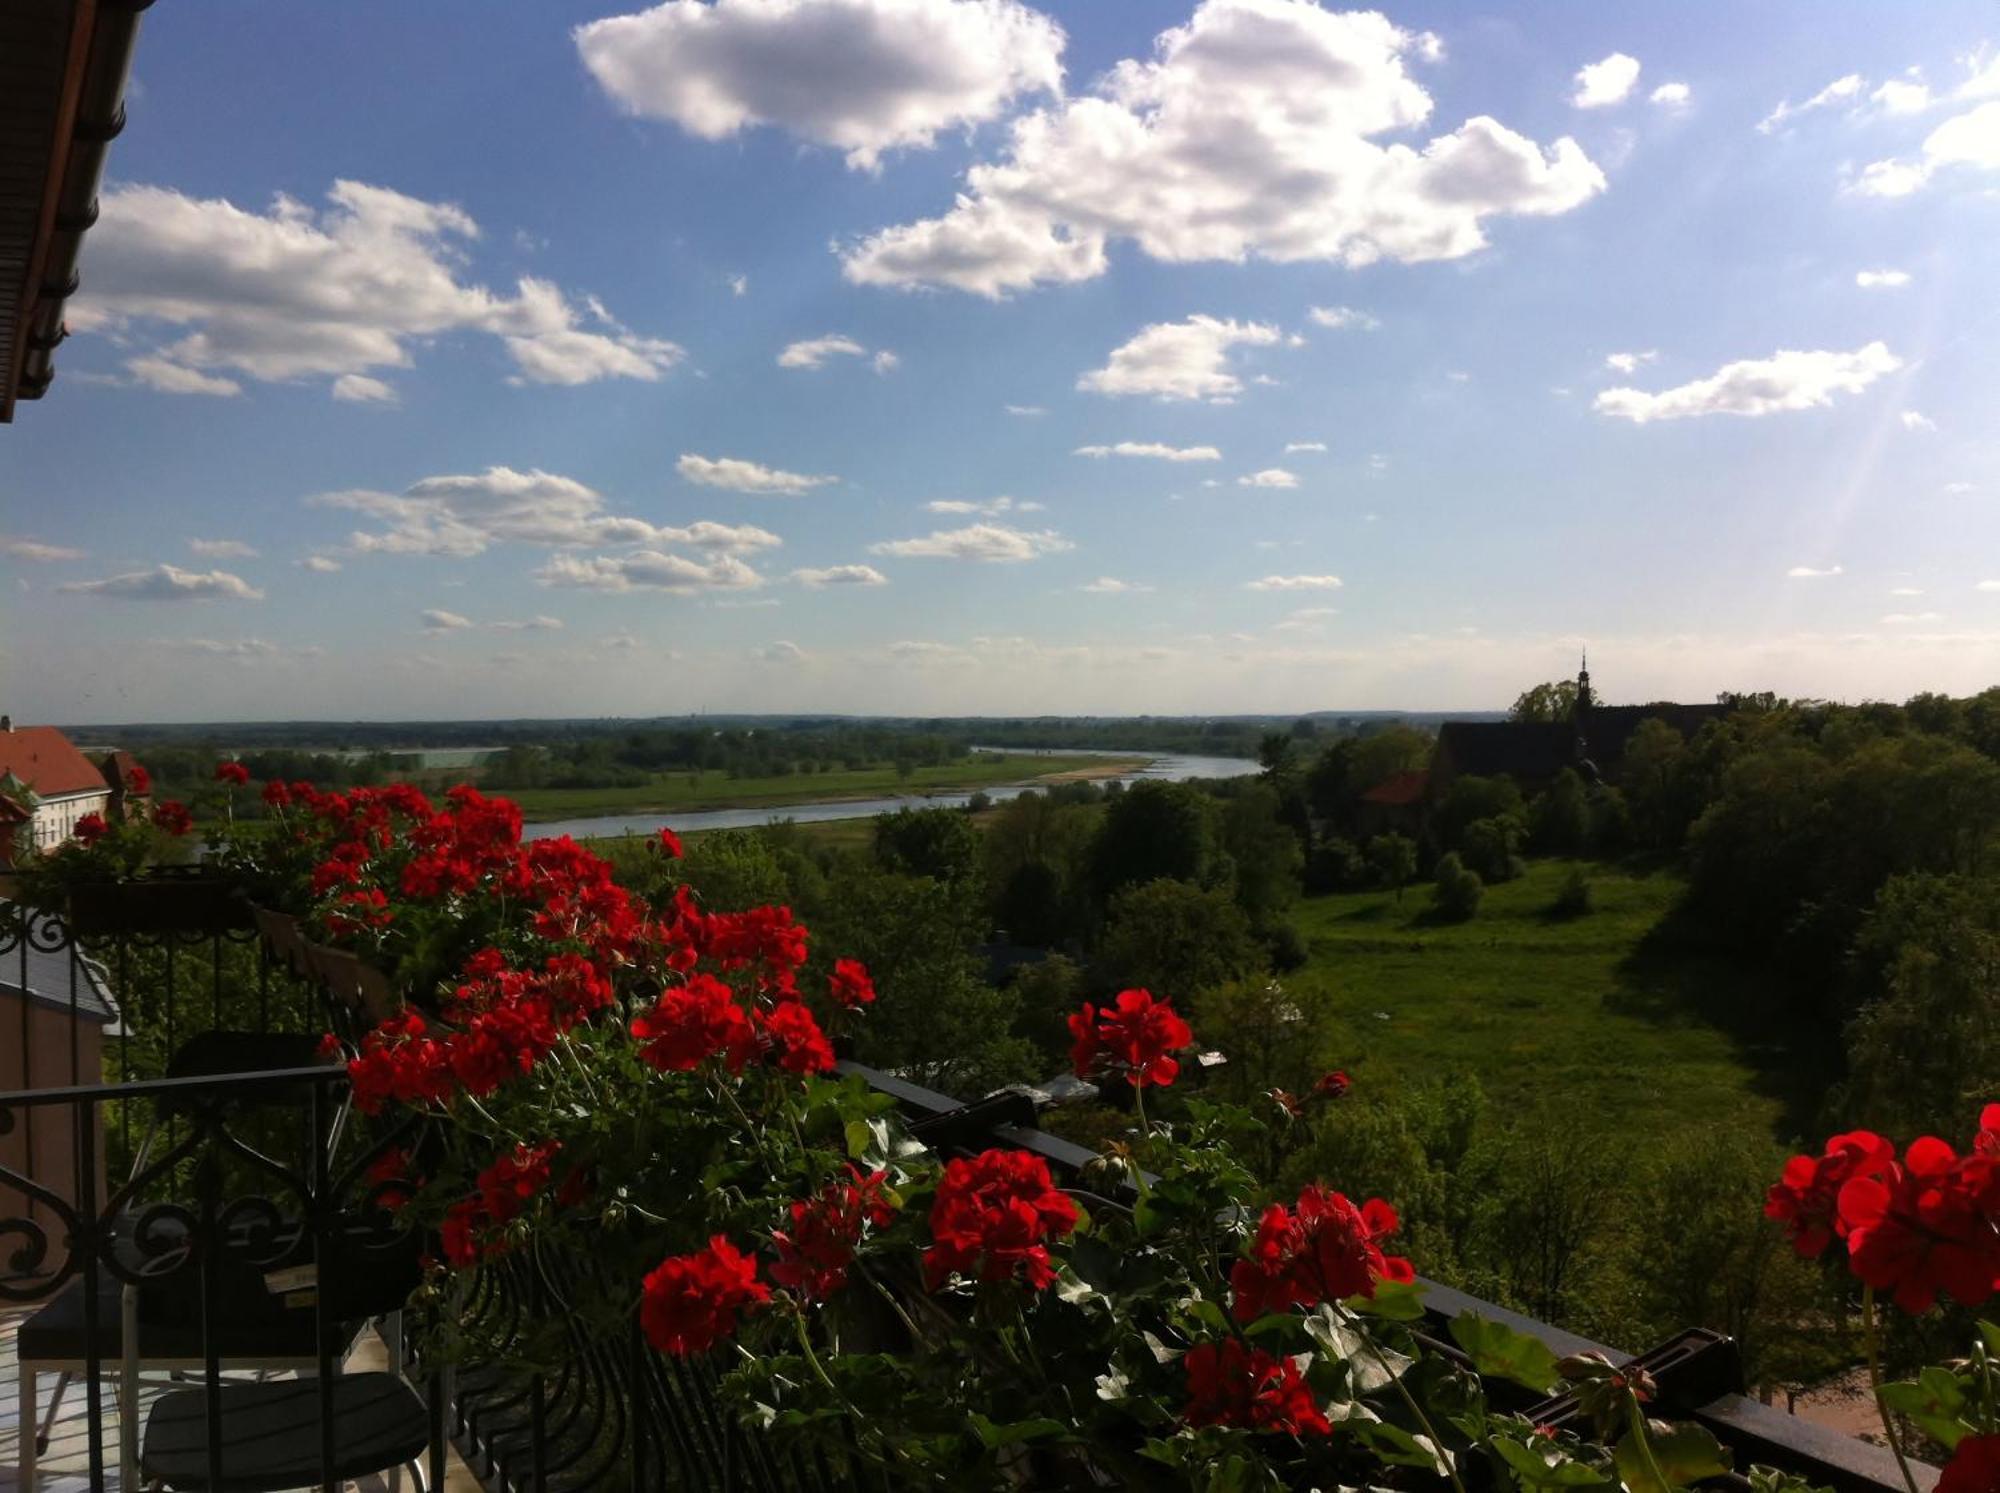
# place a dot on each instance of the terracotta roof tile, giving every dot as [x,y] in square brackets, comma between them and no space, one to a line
[42,757]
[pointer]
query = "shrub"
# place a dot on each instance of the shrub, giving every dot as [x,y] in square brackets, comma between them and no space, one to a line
[1491,847]
[1573,900]
[1458,889]
[1287,949]
[1334,866]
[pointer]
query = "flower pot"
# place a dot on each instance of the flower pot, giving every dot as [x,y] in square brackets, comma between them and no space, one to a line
[156,904]
[285,939]
[354,982]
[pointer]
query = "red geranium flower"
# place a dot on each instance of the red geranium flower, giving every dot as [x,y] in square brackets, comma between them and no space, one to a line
[794,1037]
[1133,1037]
[138,782]
[90,829]
[173,817]
[1325,1250]
[277,794]
[1973,1468]
[511,1183]
[1231,1385]
[668,843]
[1803,1198]
[1920,1229]
[692,1023]
[692,1302]
[850,984]
[814,1253]
[1333,1085]
[994,1216]
[233,773]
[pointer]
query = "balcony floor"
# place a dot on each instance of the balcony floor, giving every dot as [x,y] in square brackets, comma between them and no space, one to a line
[65,1467]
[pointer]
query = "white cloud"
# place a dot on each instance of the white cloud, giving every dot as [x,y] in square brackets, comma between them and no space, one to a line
[860,76]
[1305,619]
[780,652]
[884,361]
[994,543]
[293,293]
[841,575]
[1956,488]
[1629,362]
[1028,410]
[1971,139]
[438,620]
[649,570]
[814,352]
[320,564]
[463,514]
[1787,380]
[1906,591]
[1672,95]
[1602,84]
[169,583]
[1914,420]
[172,378]
[1296,583]
[1153,449]
[1341,318]
[1810,573]
[1250,130]
[1881,279]
[222,549]
[1987,586]
[619,642]
[989,508]
[739,285]
[29,549]
[1179,360]
[529,624]
[1269,477]
[746,476]
[245,650]
[1906,619]
[1106,585]
[1903,96]
[1292,447]
[1839,91]
[358,388]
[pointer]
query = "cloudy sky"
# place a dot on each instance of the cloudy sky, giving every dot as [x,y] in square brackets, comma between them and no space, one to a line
[963,356]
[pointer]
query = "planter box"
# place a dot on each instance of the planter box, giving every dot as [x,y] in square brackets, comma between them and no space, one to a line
[162,905]
[354,983]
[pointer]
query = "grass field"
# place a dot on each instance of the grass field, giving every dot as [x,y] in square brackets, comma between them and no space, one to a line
[679,792]
[1607,1015]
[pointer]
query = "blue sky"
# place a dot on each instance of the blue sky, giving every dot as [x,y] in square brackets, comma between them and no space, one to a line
[749,355]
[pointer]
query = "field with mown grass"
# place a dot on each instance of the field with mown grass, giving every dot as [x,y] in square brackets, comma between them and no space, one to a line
[1610,1017]
[685,791]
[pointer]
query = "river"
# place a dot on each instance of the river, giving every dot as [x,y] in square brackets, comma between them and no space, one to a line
[1166,769]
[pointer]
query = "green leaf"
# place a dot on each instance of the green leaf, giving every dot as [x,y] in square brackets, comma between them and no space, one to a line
[1934,1403]
[1498,1351]
[1547,1466]
[1684,1454]
[1015,1432]
[1371,1367]
[1394,1444]
[859,1137]
[1393,1301]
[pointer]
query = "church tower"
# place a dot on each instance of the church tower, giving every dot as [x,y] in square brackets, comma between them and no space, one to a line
[1584,698]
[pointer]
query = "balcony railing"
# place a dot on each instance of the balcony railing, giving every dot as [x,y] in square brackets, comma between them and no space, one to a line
[228,1224]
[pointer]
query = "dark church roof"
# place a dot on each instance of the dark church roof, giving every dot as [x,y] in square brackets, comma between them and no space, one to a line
[1608,728]
[1530,751]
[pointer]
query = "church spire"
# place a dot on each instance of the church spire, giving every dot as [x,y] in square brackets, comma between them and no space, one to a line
[1584,698]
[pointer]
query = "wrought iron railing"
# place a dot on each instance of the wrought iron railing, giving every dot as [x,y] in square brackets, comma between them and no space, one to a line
[179,1199]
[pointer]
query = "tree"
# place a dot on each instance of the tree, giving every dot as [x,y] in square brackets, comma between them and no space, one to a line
[1492,847]
[1393,859]
[1177,939]
[1382,754]
[1334,866]
[1278,755]
[1554,701]
[1458,890]
[1329,786]
[1265,852]
[1559,819]
[1157,831]
[1548,1189]
[938,843]
[1654,778]
[1471,798]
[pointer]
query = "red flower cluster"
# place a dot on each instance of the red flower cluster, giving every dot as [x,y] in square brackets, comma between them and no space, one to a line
[814,1253]
[693,1023]
[505,1190]
[90,829]
[1914,1228]
[173,817]
[1974,1467]
[233,773]
[1231,1385]
[691,1302]
[993,1218]
[850,985]
[1134,1037]
[668,843]
[1333,1085]
[1325,1249]
[138,782]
